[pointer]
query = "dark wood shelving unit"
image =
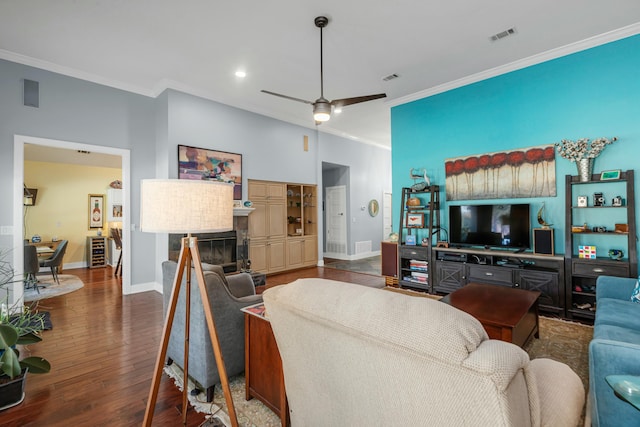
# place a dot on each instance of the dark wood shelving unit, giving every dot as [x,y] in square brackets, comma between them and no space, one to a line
[414,261]
[581,273]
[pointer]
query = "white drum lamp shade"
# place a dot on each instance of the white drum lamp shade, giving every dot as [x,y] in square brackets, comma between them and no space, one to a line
[185,206]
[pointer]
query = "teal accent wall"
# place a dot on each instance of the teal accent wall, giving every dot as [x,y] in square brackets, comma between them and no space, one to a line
[592,93]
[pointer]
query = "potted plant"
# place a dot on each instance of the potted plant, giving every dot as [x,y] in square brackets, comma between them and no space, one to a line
[17,327]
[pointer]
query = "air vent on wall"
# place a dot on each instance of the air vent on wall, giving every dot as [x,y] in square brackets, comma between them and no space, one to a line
[506,33]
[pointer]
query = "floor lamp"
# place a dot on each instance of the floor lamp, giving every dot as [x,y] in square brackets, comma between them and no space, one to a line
[187,206]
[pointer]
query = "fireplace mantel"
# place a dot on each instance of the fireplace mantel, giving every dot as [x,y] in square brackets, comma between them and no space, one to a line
[242,211]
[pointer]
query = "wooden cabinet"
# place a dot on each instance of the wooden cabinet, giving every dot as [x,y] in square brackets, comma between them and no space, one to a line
[283,227]
[264,378]
[455,268]
[603,225]
[96,251]
[310,251]
[295,253]
[389,259]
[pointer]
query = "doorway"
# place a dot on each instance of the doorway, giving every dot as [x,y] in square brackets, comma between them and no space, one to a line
[19,147]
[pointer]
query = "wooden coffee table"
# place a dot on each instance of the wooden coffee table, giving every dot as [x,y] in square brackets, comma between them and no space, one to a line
[506,314]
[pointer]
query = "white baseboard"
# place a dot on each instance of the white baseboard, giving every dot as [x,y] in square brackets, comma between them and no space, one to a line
[143,287]
[350,257]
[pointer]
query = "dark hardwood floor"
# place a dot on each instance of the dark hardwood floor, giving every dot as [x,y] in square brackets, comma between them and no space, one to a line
[102,350]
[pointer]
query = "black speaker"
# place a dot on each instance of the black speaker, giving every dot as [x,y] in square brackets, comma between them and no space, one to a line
[31,93]
[543,241]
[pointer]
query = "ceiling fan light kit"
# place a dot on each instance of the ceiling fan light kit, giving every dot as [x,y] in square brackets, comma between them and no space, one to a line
[322,106]
[321,110]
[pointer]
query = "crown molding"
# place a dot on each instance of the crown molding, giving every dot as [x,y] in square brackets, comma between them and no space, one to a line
[559,52]
[71,72]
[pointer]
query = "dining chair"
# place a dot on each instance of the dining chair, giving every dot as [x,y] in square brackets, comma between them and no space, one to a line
[31,267]
[55,260]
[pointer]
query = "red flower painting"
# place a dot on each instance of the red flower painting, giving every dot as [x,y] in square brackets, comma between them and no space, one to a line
[527,172]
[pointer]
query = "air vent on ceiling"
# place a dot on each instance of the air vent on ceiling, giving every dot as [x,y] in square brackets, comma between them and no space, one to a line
[390,77]
[506,33]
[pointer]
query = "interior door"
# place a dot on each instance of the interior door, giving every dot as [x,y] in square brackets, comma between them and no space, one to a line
[336,206]
[387,219]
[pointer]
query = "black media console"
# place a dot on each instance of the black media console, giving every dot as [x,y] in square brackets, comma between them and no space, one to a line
[455,267]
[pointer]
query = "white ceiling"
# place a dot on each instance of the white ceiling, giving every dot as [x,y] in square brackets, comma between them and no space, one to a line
[146,46]
[40,153]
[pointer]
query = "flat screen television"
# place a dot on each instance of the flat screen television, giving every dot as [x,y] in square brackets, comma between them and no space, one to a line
[496,226]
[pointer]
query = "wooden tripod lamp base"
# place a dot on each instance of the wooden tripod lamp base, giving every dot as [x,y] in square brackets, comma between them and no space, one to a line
[177,206]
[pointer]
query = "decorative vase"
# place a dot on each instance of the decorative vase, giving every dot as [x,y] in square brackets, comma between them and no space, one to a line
[585,169]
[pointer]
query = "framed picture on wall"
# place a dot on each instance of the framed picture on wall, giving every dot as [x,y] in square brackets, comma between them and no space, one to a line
[96,211]
[202,163]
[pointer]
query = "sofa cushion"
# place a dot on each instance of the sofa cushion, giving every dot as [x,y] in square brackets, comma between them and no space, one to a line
[617,312]
[617,333]
[635,295]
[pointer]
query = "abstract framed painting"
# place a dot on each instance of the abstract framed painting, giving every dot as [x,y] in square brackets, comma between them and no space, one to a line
[523,172]
[205,164]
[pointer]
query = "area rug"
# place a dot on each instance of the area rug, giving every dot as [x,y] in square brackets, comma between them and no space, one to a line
[371,265]
[40,320]
[198,402]
[249,412]
[68,283]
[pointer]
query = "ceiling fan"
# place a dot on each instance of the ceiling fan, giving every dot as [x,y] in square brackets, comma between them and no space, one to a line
[322,106]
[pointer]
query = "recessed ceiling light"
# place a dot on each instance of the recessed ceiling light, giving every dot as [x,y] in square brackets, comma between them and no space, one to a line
[241,74]
[338,110]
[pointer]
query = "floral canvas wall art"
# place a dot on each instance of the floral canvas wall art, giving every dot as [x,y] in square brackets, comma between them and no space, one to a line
[525,172]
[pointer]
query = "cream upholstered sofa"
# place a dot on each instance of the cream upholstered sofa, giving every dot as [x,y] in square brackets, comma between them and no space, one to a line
[357,356]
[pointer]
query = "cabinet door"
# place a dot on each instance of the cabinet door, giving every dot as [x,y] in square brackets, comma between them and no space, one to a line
[276,220]
[310,251]
[546,282]
[258,256]
[265,190]
[258,226]
[295,253]
[449,276]
[276,191]
[276,256]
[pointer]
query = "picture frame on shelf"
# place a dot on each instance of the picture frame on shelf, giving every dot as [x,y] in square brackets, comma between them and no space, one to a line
[610,175]
[415,220]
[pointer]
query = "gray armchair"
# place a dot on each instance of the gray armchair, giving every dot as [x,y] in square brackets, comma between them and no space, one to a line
[227,295]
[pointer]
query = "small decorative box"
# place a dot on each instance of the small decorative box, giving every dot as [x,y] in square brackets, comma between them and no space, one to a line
[410,240]
[588,252]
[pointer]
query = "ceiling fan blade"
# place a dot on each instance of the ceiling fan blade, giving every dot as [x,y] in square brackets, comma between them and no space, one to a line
[349,101]
[287,97]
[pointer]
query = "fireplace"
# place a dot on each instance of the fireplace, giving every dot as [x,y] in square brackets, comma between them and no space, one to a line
[215,248]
